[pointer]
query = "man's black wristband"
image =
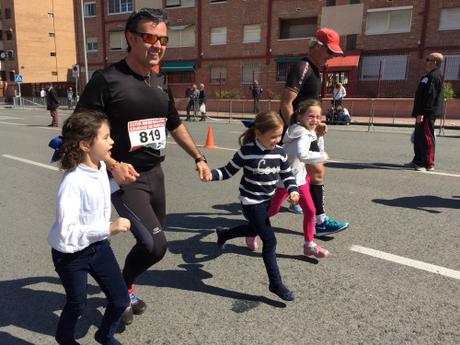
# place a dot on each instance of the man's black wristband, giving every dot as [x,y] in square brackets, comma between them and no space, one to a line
[201,159]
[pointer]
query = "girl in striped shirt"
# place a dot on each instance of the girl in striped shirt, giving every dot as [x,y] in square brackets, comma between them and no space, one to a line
[263,163]
[302,146]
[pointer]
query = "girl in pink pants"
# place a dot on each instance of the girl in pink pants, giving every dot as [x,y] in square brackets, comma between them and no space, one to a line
[301,146]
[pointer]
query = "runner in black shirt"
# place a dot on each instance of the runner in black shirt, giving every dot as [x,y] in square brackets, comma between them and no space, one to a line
[140,108]
[303,83]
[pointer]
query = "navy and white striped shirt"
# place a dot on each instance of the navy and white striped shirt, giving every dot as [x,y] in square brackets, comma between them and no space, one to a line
[262,169]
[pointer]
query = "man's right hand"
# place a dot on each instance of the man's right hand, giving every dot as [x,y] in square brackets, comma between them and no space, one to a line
[124,173]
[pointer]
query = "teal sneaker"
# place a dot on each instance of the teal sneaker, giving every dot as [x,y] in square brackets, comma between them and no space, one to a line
[295,208]
[330,226]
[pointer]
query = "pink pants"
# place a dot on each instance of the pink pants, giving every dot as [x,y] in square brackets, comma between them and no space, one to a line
[305,202]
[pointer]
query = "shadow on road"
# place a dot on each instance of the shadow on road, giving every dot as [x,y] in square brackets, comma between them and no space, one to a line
[27,305]
[191,279]
[426,203]
[356,166]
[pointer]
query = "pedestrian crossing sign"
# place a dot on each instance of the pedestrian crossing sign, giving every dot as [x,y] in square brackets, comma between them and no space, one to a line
[18,78]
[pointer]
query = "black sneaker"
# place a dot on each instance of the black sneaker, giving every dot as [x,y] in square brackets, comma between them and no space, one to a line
[127,317]
[282,291]
[101,340]
[138,307]
[220,241]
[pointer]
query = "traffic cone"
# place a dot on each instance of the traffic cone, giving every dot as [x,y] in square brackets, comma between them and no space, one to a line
[210,140]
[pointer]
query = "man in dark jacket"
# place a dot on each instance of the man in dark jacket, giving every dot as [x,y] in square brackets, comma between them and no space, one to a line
[256,91]
[428,105]
[52,105]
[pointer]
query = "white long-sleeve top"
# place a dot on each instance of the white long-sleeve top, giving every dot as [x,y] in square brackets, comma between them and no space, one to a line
[82,209]
[339,93]
[297,141]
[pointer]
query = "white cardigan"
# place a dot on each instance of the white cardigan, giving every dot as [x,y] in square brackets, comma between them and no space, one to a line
[82,209]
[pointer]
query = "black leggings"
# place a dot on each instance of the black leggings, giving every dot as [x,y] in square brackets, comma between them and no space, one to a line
[143,203]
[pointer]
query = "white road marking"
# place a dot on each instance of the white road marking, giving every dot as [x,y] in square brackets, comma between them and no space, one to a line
[447,272]
[23,160]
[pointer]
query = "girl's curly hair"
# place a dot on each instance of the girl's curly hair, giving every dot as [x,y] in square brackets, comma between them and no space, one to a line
[83,125]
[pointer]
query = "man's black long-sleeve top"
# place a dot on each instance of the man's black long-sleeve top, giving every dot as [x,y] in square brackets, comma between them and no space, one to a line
[429,97]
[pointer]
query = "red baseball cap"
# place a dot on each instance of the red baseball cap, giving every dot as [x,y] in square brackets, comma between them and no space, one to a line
[330,38]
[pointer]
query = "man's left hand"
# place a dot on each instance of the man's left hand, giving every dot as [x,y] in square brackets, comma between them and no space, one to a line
[203,171]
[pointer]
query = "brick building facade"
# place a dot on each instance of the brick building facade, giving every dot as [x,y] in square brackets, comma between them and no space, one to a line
[37,42]
[227,44]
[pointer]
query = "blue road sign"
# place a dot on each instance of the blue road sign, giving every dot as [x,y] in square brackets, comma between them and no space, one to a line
[18,78]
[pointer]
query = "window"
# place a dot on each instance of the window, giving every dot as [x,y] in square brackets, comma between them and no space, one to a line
[53,54]
[10,54]
[452,68]
[117,40]
[218,36]
[3,76]
[388,20]
[51,34]
[120,6]
[298,27]
[282,70]
[1,35]
[91,44]
[218,75]
[181,36]
[179,3]
[181,77]
[250,72]
[90,9]
[9,35]
[7,13]
[216,1]
[251,33]
[450,19]
[330,2]
[351,42]
[11,73]
[54,73]
[50,15]
[352,2]
[393,67]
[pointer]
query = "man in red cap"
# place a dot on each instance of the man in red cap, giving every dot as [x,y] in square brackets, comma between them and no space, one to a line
[304,82]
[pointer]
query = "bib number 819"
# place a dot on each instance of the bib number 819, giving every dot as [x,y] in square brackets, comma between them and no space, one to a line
[153,134]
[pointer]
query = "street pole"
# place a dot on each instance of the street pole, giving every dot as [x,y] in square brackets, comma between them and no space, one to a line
[84,42]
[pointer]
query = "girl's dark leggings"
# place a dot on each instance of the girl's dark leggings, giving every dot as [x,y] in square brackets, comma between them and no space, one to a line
[143,203]
[259,224]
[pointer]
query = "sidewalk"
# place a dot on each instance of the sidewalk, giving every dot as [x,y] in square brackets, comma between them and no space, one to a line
[357,120]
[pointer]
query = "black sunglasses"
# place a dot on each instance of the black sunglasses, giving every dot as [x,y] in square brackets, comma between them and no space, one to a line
[151,38]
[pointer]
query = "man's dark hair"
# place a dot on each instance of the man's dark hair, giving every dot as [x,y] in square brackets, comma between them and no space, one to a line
[155,15]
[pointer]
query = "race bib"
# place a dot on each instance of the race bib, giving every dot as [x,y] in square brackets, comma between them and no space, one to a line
[147,133]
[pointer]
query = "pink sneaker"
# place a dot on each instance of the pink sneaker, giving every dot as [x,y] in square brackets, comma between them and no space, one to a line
[316,251]
[251,242]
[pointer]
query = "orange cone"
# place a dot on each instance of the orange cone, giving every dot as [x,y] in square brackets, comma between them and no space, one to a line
[210,140]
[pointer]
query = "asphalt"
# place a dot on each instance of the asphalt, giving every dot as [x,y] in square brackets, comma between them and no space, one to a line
[198,295]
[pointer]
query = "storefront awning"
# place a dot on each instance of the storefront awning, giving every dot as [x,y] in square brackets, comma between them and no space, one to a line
[346,62]
[178,66]
[288,59]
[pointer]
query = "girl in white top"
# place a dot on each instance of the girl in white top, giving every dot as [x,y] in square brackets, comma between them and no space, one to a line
[302,147]
[79,235]
[338,93]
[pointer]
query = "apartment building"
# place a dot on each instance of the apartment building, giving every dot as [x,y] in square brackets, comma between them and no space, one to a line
[37,42]
[226,44]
